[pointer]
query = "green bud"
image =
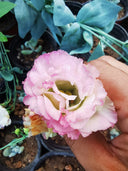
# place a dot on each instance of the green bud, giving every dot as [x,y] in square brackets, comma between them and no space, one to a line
[26,130]
[17,131]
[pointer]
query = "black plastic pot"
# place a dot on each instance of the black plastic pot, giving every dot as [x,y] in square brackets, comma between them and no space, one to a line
[81,1]
[74,6]
[53,155]
[120,33]
[51,145]
[124,4]
[125,24]
[30,166]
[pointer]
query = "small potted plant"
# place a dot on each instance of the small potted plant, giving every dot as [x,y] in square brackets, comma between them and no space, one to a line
[15,153]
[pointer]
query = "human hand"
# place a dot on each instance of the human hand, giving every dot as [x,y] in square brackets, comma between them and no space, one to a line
[94,152]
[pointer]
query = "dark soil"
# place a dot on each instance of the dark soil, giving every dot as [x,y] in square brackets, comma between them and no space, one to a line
[20,106]
[25,62]
[28,60]
[61,163]
[108,51]
[59,140]
[121,14]
[20,160]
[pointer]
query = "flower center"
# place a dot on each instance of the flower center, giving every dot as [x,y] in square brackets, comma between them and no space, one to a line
[67,88]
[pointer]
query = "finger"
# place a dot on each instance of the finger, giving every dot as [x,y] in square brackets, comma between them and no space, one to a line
[120,147]
[94,153]
[115,63]
[121,142]
[115,82]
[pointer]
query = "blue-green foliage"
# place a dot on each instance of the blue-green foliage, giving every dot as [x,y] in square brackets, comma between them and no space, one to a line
[28,18]
[62,14]
[73,33]
[13,150]
[99,13]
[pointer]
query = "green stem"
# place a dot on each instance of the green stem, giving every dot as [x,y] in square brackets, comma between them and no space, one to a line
[113,39]
[7,65]
[13,142]
[99,37]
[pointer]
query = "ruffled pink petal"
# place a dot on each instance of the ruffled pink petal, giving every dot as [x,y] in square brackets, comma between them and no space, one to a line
[85,111]
[92,71]
[51,110]
[104,118]
[74,135]
[57,127]
[27,85]
[99,92]
[41,106]
[31,101]
[66,96]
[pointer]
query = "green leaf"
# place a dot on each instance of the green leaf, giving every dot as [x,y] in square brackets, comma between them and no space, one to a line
[62,15]
[83,49]
[73,40]
[25,17]
[17,70]
[49,8]
[49,22]
[3,38]
[26,52]
[98,52]
[99,13]
[31,43]
[7,151]
[5,7]
[88,38]
[38,28]
[38,4]
[6,75]
[38,49]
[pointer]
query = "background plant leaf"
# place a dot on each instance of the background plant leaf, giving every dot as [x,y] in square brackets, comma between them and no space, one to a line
[62,15]
[6,75]
[98,52]
[99,13]
[88,37]
[38,4]
[73,40]
[38,28]
[49,22]
[5,7]
[25,17]
[17,70]
[3,38]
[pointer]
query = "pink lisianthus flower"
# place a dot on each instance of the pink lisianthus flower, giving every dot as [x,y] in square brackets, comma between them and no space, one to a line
[68,95]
